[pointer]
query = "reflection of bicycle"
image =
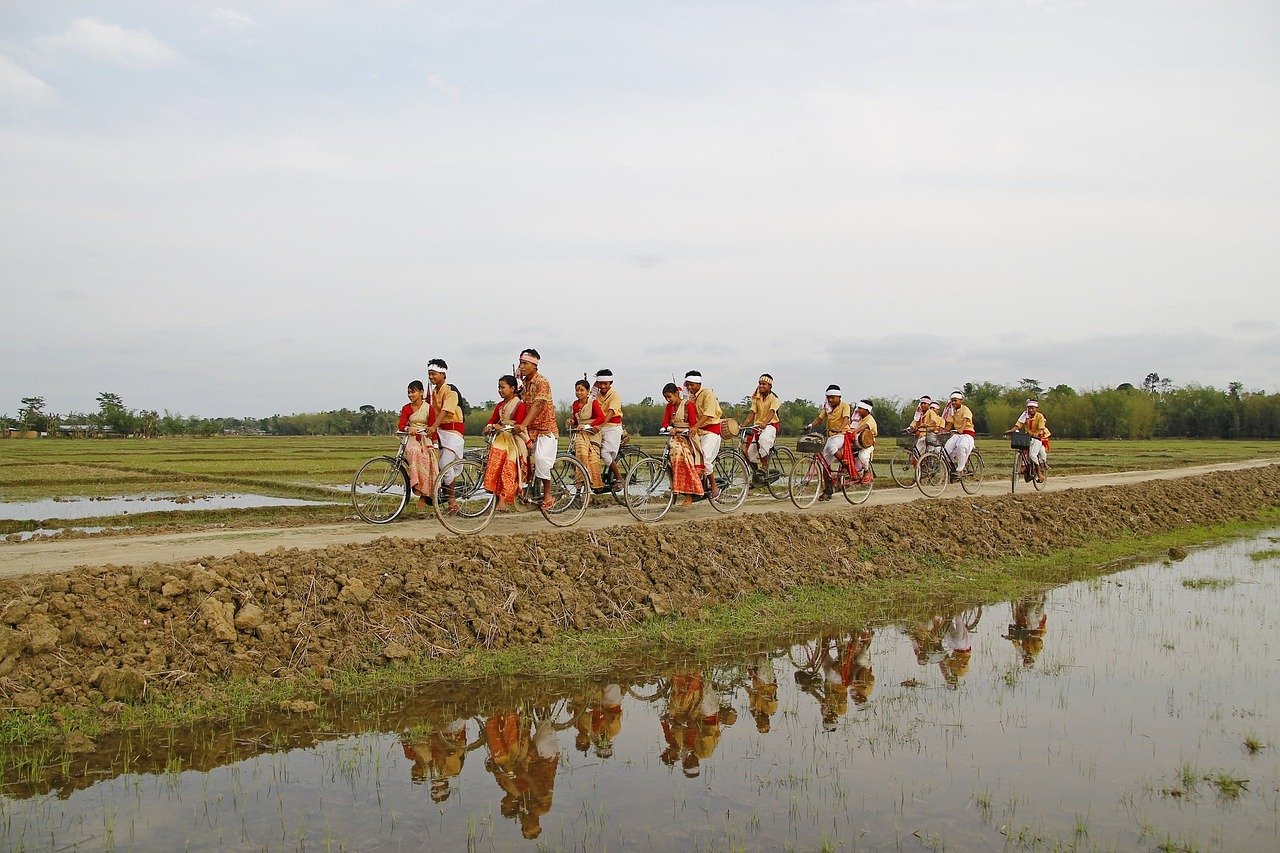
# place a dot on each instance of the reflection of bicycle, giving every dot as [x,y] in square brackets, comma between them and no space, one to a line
[902,465]
[776,471]
[1024,467]
[380,488]
[648,492]
[811,472]
[475,506]
[935,470]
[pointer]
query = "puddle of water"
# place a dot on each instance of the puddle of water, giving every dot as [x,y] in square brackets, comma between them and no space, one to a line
[64,509]
[1111,713]
[46,533]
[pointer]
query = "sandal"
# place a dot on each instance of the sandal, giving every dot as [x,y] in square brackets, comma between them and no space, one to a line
[686,501]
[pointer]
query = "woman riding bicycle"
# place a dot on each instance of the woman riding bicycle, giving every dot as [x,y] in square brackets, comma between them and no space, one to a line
[508,464]
[1032,422]
[419,451]
[684,451]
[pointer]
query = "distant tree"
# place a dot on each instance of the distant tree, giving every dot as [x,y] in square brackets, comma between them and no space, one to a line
[1030,387]
[113,415]
[1126,386]
[367,415]
[1154,383]
[32,414]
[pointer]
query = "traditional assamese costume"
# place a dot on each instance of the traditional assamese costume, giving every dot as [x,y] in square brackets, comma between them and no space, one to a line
[419,451]
[684,451]
[586,445]
[508,465]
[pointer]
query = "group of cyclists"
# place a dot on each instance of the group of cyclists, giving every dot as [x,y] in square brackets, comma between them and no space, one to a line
[525,434]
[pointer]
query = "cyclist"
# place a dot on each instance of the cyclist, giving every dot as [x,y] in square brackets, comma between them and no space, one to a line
[446,421]
[860,443]
[539,421]
[419,452]
[707,427]
[764,414]
[926,423]
[960,445]
[834,416]
[683,450]
[1032,422]
[586,419]
[611,432]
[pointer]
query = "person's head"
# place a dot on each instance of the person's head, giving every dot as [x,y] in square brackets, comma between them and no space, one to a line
[506,386]
[1033,406]
[925,401]
[582,389]
[436,370]
[604,378]
[935,407]
[957,398]
[764,385]
[416,390]
[671,392]
[834,395]
[864,407]
[693,381]
[529,359]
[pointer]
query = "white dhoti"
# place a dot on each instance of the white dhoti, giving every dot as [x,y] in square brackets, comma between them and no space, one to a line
[831,450]
[710,444]
[864,459]
[763,445]
[1037,452]
[451,447]
[610,441]
[959,446]
[543,455]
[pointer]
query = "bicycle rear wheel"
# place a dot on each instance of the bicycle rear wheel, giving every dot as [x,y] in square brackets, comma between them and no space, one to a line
[380,490]
[733,478]
[974,469]
[901,468]
[932,474]
[647,490]
[778,473]
[806,481]
[474,505]
[628,456]
[570,492]
[855,490]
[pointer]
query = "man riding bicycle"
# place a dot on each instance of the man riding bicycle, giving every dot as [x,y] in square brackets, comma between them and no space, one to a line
[834,416]
[764,414]
[960,445]
[1032,422]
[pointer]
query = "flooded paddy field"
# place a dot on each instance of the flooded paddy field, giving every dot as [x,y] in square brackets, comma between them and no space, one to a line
[66,509]
[1138,710]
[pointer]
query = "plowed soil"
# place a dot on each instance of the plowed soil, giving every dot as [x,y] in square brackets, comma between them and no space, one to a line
[99,634]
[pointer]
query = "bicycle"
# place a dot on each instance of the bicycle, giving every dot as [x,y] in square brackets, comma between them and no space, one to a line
[809,475]
[380,488]
[475,506]
[902,465]
[777,470]
[648,491]
[935,470]
[628,456]
[1023,465]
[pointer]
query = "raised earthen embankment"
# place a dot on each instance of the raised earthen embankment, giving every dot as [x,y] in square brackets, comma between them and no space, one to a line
[94,635]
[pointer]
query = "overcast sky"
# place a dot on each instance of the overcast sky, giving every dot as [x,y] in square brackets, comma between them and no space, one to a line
[259,208]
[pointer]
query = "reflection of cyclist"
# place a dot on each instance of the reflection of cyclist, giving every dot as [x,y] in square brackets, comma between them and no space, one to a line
[764,414]
[684,453]
[958,644]
[523,760]
[598,719]
[855,665]
[1026,631]
[926,639]
[762,692]
[1032,422]
[691,724]
[834,416]
[437,757]
[960,445]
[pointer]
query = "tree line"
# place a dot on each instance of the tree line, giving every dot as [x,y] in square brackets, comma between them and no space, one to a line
[1154,408]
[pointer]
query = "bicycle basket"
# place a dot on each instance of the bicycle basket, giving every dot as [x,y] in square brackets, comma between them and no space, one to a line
[907,441]
[810,443]
[1020,441]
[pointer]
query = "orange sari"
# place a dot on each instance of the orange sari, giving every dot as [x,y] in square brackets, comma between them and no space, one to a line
[504,475]
[685,456]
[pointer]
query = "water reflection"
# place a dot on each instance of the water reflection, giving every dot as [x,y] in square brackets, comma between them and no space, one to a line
[923,732]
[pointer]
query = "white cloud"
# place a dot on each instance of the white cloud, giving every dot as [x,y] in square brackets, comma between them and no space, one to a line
[111,43]
[20,87]
[232,21]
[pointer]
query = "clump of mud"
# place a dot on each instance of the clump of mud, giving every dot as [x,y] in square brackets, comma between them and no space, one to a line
[111,634]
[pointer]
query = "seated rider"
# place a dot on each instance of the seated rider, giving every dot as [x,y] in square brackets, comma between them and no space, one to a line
[926,424]
[707,426]
[684,452]
[764,414]
[585,421]
[1032,422]
[834,416]
[861,442]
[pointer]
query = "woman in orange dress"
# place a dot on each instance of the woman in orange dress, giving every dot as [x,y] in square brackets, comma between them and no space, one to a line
[505,474]
[585,423]
[685,454]
[419,451]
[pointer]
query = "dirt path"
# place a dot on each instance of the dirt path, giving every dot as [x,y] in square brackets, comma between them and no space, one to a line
[55,556]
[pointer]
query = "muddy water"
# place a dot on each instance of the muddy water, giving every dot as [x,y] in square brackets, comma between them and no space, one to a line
[1137,710]
[67,509]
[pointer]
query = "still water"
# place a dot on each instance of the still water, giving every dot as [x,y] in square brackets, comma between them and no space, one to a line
[73,508]
[1136,711]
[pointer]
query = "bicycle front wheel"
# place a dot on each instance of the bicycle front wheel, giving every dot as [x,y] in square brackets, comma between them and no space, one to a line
[380,490]
[932,474]
[974,469]
[857,489]
[806,481]
[1019,470]
[1039,473]
[647,490]
[902,467]
[470,508]
[570,492]
[627,459]
[778,474]
[733,479]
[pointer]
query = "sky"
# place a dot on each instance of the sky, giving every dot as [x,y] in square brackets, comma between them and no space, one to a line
[244,209]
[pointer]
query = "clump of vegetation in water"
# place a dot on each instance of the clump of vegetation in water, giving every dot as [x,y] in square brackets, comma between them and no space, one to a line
[1269,554]
[1208,583]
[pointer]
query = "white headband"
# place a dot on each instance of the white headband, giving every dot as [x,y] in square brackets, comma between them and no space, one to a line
[864,404]
[926,399]
[934,406]
[1031,403]
[957,396]
[834,391]
[601,377]
[693,376]
[529,359]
